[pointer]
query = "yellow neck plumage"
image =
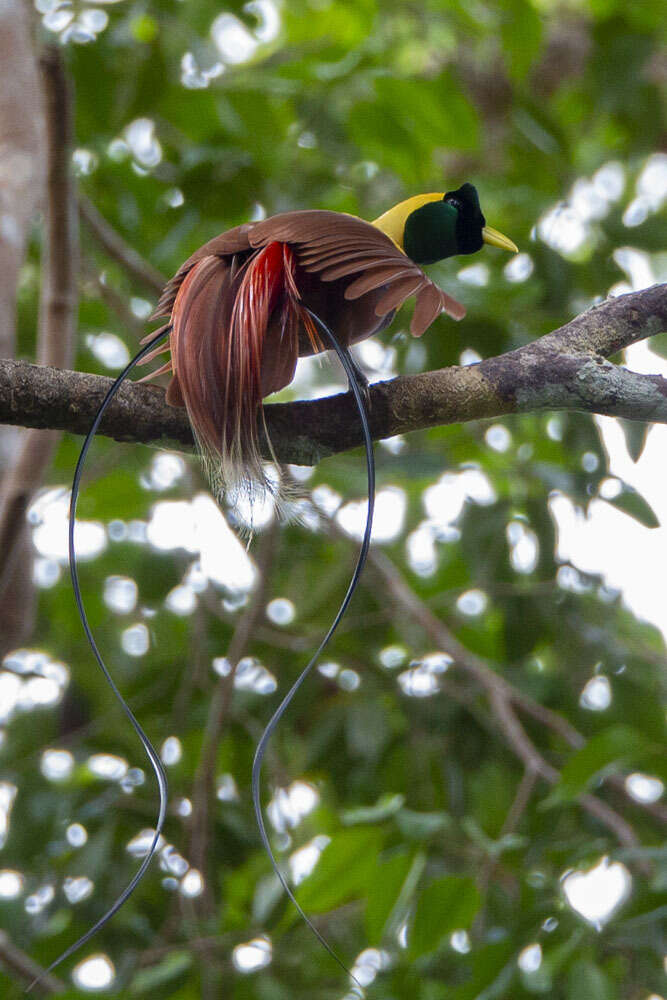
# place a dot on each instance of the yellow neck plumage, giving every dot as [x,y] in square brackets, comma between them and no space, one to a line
[392,223]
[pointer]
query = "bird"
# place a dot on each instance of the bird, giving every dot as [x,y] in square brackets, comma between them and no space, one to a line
[240,313]
[243,308]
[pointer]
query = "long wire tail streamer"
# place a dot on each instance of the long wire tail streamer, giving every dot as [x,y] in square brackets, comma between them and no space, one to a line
[151,753]
[353,379]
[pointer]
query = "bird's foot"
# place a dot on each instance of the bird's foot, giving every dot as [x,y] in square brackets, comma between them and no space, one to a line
[360,380]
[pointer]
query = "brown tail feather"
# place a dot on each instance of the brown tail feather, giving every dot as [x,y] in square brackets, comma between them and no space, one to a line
[234,340]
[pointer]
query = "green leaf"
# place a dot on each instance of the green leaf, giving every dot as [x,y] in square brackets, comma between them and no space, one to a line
[386,806]
[492,969]
[170,967]
[421,116]
[589,981]
[521,36]
[344,871]
[635,433]
[421,825]
[448,904]
[634,504]
[388,882]
[659,344]
[615,747]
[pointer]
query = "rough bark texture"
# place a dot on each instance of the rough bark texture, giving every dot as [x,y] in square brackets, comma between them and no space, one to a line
[564,370]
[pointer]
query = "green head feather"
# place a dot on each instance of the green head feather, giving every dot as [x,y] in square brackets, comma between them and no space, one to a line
[445,228]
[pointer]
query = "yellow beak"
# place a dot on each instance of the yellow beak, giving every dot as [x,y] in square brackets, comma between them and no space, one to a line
[496,239]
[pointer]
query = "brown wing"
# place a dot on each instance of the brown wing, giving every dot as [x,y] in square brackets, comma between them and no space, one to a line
[336,246]
[233,241]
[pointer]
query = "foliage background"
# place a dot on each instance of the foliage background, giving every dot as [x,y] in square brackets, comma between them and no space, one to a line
[352,106]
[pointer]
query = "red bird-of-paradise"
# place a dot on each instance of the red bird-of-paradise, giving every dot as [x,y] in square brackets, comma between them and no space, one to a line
[239,307]
[240,312]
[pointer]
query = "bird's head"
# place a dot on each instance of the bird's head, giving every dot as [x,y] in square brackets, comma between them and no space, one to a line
[448,226]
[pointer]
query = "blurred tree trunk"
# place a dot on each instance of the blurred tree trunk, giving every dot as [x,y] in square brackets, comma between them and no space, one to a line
[21,187]
[21,156]
[35,132]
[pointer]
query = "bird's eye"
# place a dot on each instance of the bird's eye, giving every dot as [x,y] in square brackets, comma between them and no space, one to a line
[454,202]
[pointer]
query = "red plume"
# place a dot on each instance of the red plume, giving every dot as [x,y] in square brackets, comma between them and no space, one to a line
[234,340]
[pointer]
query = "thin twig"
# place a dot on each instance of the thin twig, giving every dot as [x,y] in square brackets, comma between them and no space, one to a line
[213,942]
[203,789]
[94,284]
[118,248]
[26,968]
[502,695]
[519,805]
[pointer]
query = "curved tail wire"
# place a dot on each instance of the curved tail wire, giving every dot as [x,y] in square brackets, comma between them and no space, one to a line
[151,753]
[260,752]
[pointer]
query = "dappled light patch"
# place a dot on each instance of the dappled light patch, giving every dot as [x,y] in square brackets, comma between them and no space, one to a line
[77,888]
[530,958]
[472,603]
[281,611]
[29,680]
[171,751]
[250,674]
[140,844]
[378,360]
[108,349]
[38,901]
[644,787]
[192,884]
[164,472]
[392,657]
[49,517]
[253,955]
[7,797]
[96,972]
[57,765]
[524,547]
[181,600]
[135,640]
[226,789]
[302,861]
[76,834]
[650,191]
[596,695]
[596,894]
[519,268]
[11,883]
[421,680]
[107,766]
[120,594]
[498,437]
[390,510]
[288,806]
[460,942]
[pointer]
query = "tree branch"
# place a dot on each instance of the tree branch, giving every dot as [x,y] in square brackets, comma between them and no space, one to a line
[503,698]
[564,370]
